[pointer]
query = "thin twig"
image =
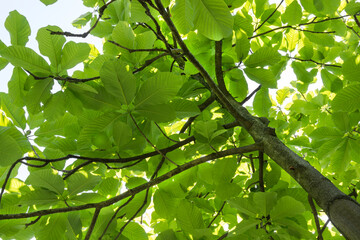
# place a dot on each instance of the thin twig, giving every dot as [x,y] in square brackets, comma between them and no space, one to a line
[162,132]
[114,215]
[316,218]
[217,214]
[149,62]
[250,95]
[67,79]
[145,199]
[269,16]
[310,60]
[85,34]
[288,26]
[131,50]
[33,222]
[201,107]
[93,222]
[147,140]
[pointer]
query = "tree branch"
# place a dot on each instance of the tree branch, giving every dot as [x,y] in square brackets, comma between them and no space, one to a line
[222,98]
[217,214]
[130,50]
[151,144]
[201,107]
[93,222]
[67,79]
[316,218]
[310,60]
[85,34]
[114,215]
[100,160]
[269,16]
[135,190]
[261,171]
[218,67]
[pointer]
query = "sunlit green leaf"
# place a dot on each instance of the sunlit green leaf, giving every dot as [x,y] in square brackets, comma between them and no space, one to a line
[347,99]
[119,81]
[26,58]
[183,15]
[213,19]
[51,45]
[73,54]
[18,27]
[293,14]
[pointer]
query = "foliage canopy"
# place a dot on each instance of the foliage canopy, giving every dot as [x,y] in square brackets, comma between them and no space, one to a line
[149,140]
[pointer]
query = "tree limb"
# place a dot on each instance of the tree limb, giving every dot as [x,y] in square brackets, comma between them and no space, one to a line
[135,190]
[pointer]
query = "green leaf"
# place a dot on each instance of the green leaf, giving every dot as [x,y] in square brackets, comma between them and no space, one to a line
[330,81]
[157,112]
[18,27]
[347,99]
[227,191]
[259,7]
[158,89]
[341,121]
[265,201]
[301,72]
[40,197]
[55,107]
[213,19]
[262,57]
[262,102]
[124,35]
[13,145]
[242,47]
[15,113]
[118,80]
[51,45]
[262,76]
[293,14]
[168,234]
[3,63]
[183,16]
[243,205]
[144,40]
[185,108]
[48,2]
[283,94]
[96,126]
[39,93]
[24,57]
[352,7]
[109,186]
[244,23]
[82,20]
[246,225]
[206,129]
[237,84]
[188,216]
[53,227]
[135,231]
[81,181]
[122,133]
[351,69]
[286,207]
[320,38]
[46,178]
[165,205]
[73,54]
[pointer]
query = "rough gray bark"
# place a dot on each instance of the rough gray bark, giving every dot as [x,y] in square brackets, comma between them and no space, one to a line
[343,212]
